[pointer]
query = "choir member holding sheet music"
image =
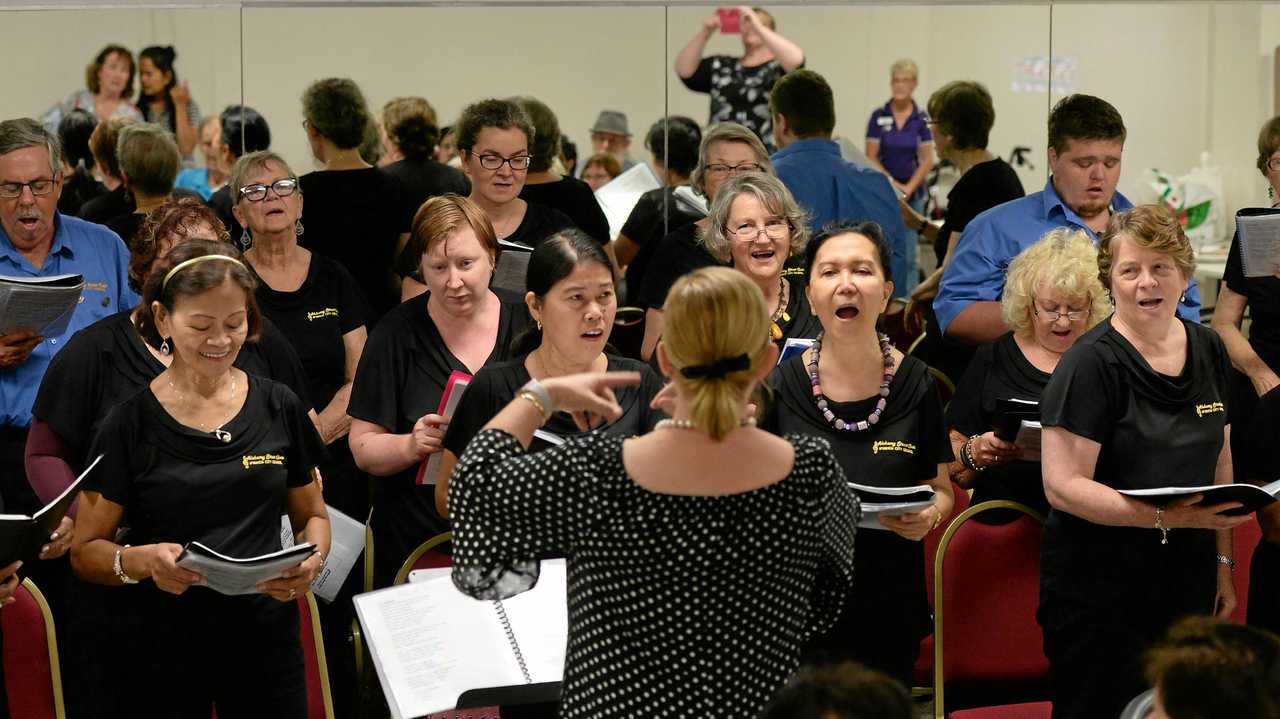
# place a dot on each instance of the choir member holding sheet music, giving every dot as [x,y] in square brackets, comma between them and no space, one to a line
[1051,296]
[458,325]
[209,453]
[1255,405]
[572,301]
[883,417]
[701,556]
[495,139]
[1138,402]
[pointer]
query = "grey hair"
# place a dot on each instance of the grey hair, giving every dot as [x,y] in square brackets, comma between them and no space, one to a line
[24,132]
[771,193]
[727,132]
[253,162]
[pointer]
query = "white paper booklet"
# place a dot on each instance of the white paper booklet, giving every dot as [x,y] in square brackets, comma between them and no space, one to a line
[1250,497]
[430,642]
[346,543]
[1259,233]
[890,502]
[619,197]
[231,575]
[513,265]
[41,304]
[1028,439]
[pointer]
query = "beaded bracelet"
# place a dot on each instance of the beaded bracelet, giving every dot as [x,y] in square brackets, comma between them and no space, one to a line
[967,458]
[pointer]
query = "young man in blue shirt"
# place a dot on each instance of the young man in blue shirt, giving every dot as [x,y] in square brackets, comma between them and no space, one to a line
[826,185]
[1086,141]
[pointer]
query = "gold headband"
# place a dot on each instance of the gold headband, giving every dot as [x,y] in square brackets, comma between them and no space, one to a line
[196,260]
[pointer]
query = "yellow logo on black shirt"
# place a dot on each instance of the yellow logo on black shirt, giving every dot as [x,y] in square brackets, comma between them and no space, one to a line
[892,446]
[1210,408]
[255,460]
[318,314]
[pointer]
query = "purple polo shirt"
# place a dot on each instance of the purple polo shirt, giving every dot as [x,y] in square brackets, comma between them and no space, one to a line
[899,147]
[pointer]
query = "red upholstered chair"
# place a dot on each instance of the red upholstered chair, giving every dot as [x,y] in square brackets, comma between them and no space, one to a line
[32,676]
[428,555]
[987,579]
[1244,539]
[923,671]
[319,699]
[1034,710]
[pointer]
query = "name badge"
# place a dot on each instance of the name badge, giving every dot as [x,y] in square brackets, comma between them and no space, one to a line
[884,121]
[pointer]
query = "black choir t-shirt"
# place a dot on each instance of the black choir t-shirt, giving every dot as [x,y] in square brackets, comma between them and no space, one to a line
[903,449]
[1155,431]
[126,226]
[179,484]
[314,318]
[999,371]
[576,200]
[420,180]
[106,206]
[220,202]
[539,223]
[356,217]
[678,254]
[402,376]
[984,186]
[657,213]
[107,362]
[1263,295]
[496,385]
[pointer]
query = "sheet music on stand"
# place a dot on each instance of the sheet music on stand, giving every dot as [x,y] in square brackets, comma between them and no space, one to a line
[431,643]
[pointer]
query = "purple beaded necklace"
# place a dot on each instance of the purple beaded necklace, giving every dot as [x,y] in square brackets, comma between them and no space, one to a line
[886,347]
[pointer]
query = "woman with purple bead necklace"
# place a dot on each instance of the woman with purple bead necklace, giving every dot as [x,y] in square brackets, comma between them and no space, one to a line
[883,417]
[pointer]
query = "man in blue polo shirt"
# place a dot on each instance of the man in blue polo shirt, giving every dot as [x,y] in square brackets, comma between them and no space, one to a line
[1086,140]
[826,185]
[38,241]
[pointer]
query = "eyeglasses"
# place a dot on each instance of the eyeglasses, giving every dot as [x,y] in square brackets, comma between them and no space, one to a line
[39,188]
[1273,165]
[719,169]
[283,187]
[1051,316]
[494,162]
[773,229]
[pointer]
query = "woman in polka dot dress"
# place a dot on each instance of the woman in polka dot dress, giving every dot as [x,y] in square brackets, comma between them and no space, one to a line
[702,556]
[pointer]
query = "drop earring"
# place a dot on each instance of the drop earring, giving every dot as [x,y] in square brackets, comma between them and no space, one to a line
[297,228]
[164,347]
[539,323]
[245,239]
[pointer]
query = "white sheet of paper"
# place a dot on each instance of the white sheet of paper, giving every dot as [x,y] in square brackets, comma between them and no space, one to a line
[430,642]
[1259,244]
[43,304]
[1028,439]
[227,575]
[619,197]
[346,544]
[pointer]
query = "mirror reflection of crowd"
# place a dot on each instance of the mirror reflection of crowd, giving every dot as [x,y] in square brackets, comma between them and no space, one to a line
[233,307]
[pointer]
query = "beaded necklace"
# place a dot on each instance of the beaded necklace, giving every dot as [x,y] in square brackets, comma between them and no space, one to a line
[886,347]
[775,329]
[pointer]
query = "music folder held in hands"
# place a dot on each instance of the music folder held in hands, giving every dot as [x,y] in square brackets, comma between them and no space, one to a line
[229,575]
[21,537]
[1250,496]
[890,502]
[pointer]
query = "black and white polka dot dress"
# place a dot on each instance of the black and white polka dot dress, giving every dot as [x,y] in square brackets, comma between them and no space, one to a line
[679,606]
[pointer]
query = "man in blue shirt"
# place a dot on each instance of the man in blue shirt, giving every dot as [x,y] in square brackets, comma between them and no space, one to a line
[829,187]
[38,241]
[1086,140]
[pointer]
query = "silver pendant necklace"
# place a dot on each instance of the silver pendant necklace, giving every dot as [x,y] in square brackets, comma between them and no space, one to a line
[218,431]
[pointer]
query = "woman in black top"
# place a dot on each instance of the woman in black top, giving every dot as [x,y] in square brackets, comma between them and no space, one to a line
[409,137]
[78,183]
[1051,296]
[571,298]
[1137,403]
[727,150]
[494,138]
[961,115]
[459,325]
[1255,405]
[209,453]
[701,555]
[356,214]
[883,417]
[545,185]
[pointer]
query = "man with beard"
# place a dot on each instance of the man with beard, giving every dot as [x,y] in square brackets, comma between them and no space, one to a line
[1086,140]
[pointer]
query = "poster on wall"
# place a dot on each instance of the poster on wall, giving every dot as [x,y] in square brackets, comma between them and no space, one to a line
[1040,73]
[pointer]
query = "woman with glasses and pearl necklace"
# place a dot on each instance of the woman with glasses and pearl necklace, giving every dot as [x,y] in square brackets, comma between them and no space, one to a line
[207,453]
[715,546]
[882,416]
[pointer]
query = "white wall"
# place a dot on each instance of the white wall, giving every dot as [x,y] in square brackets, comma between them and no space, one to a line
[1187,77]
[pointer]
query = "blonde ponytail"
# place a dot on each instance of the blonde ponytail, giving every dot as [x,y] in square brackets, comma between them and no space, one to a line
[716,335]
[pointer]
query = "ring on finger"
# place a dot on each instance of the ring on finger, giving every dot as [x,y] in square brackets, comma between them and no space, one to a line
[293,594]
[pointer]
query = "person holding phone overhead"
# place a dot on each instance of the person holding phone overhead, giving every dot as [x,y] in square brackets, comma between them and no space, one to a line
[739,86]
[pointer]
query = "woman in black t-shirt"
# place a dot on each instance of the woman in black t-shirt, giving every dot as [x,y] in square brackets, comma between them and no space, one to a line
[883,417]
[1138,403]
[1051,296]
[1255,403]
[494,138]
[208,453]
[572,300]
[544,185]
[459,325]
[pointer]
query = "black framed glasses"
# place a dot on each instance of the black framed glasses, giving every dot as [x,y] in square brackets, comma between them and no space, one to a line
[283,187]
[493,162]
[1051,316]
[773,229]
[719,169]
[39,188]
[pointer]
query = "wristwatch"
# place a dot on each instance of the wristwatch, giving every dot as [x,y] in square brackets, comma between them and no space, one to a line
[118,566]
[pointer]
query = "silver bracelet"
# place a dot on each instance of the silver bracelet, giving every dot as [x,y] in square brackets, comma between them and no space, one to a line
[1164,531]
[543,397]
[1224,559]
[118,567]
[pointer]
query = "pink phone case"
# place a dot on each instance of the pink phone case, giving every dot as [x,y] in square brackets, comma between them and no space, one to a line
[730,20]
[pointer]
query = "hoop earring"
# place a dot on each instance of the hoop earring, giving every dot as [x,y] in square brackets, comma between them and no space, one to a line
[245,239]
[297,228]
[164,347]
